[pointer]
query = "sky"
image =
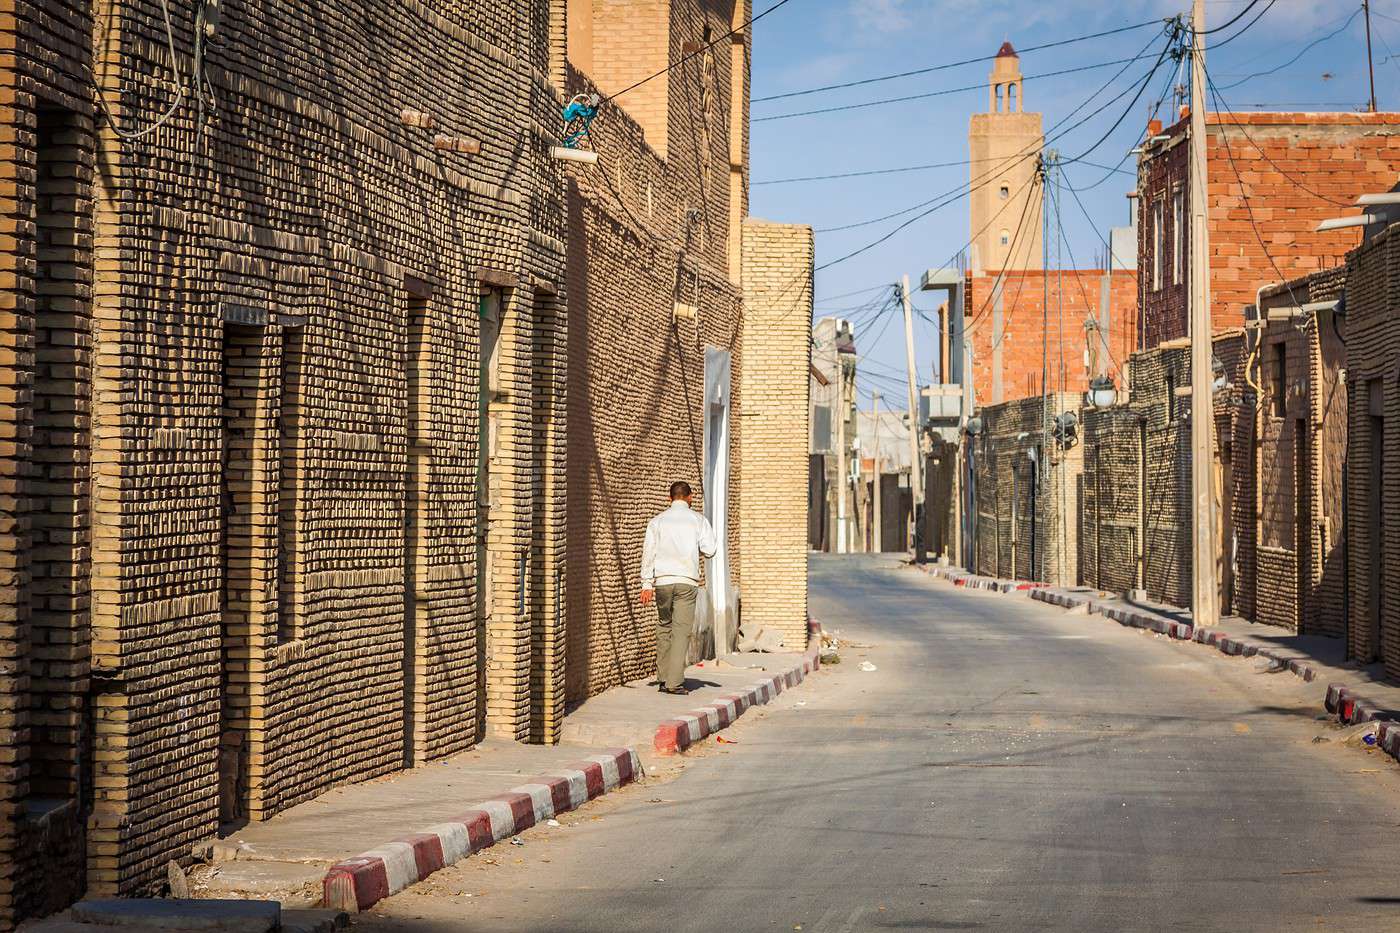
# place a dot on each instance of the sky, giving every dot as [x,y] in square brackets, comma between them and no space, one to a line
[815,43]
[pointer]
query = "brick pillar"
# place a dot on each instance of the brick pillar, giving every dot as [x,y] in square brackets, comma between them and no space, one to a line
[16,377]
[774,383]
[509,535]
[547,609]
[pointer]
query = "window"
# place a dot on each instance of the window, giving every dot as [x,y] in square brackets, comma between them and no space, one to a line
[1157,246]
[1178,233]
[1280,379]
[1005,192]
[1005,238]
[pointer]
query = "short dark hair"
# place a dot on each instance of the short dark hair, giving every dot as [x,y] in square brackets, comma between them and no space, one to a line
[680,489]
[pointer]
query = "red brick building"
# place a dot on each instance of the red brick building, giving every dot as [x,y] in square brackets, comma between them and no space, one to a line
[1091,323]
[1272,178]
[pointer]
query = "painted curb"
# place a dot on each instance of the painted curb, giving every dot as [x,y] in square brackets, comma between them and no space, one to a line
[674,736]
[972,581]
[358,883]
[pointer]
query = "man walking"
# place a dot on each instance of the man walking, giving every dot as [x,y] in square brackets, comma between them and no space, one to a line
[676,540]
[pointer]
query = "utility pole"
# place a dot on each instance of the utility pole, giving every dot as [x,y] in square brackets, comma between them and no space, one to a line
[841,478]
[877,543]
[1370,63]
[1205,602]
[916,486]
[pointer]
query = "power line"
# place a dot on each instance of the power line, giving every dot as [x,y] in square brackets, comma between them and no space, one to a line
[1226,111]
[1079,280]
[980,86]
[1249,207]
[944,67]
[983,180]
[1246,27]
[1234,19]
[1026,153]
[1038,178]
[896,171]
[1142,86]
[704,48]
[1307,48]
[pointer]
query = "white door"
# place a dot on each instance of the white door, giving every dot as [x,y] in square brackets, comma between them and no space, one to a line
[717,393]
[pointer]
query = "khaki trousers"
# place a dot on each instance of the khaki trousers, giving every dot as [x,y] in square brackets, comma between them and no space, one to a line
[675,610]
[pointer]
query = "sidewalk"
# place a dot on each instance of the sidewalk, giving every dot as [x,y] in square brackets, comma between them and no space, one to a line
[1354,693]
[357,844]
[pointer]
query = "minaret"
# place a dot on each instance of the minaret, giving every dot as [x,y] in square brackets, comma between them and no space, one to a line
[1003,144]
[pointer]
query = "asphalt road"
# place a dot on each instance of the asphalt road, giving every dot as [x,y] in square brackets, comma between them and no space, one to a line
[1007,767]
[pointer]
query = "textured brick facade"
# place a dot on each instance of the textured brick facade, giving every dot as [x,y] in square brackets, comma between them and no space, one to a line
[1302,424]
[335,407]
[47,118]
[1294,169]
[653,301]
[1373,449]
[773,452]
[1137,482]
[318,329]
[1091,324]
[1026,499]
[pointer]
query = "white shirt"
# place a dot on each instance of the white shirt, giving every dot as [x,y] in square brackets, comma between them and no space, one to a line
[676,539]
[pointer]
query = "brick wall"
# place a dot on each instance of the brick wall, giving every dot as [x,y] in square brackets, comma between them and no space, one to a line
[288,407]
[1007,323]
[1024,527]
[1149,486]
[46,125]
[1373,447]
[1137,519]
[650,288]
[1294,170]
[774,467]
[1302,446]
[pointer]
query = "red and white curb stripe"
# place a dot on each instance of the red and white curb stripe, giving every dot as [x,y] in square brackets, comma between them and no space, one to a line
[959,577]
[360,882]
[676,735]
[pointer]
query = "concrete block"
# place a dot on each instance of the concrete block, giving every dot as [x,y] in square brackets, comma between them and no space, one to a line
[222,916]
[314,921]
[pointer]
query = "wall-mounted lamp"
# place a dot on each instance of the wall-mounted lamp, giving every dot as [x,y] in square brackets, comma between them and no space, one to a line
[1102,393]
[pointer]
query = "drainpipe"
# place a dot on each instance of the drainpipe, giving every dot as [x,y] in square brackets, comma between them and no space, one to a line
[1256,441]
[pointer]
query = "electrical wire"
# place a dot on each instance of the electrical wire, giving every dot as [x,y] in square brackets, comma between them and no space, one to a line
[1247,26]
[700,51]
[907,168]
[958,64]
[1058,130]
[1232,20]
[1084,295]
[1249,206]
[980,86]
[178,83]
[983,180]
[1142,86]
[1036,180]
[1307,48]
[1226,111]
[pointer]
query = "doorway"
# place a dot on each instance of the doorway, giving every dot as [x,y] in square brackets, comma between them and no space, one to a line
[489,310]
[1375,518]
[716,492]
[417,363]
[1303,521]
[242,380]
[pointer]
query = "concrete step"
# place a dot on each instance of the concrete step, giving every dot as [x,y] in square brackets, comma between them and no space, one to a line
[186,916]
[314,921]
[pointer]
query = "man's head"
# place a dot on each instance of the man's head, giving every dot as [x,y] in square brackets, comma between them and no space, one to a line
[680,491]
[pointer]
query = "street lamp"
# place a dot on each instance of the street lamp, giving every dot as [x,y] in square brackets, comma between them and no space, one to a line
[1102,393]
